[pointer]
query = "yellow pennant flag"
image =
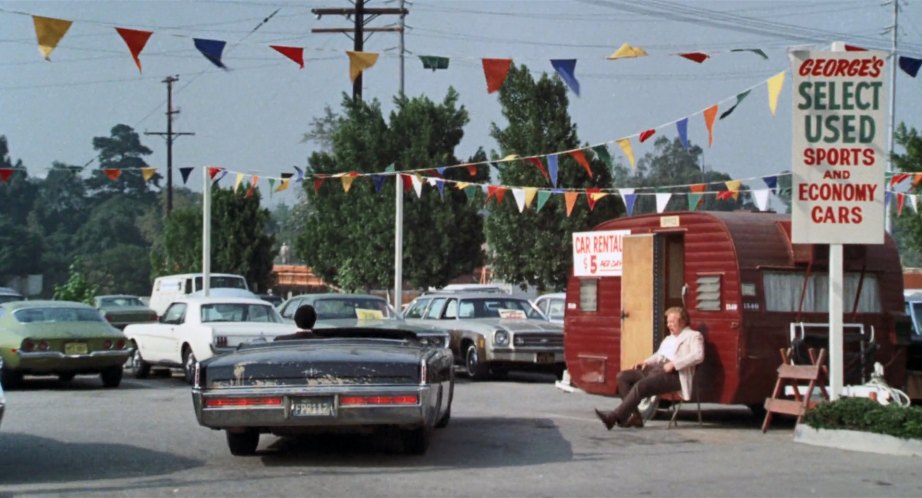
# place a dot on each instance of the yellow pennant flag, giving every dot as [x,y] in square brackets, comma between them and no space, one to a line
[148,173]
[626,52]
[775,83]
[625,144]
[530,195]
[49,32]
[734,186]
[461,185]
[284,185]
[360,61]
[570,200]
[347,182]
[511,157]
[238,181]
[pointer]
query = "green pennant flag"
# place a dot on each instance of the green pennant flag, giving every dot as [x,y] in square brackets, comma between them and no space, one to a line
[271,186]
[601,151]
[434,62]
[693,201]
[543,196]
[471,192]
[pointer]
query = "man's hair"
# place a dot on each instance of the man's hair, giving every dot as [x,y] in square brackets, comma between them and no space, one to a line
[678,310]
[305,316]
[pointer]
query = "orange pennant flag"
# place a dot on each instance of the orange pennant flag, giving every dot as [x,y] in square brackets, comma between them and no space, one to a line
[360,61]
[135,39]
[496,71]
[916,180]
[284,185]
[710,114]
[113,173]
[347,182]
[148,173]
[296,54]
[252,187]
[496,191]
[570,201]
[581,159]
[696,187]
[49,32]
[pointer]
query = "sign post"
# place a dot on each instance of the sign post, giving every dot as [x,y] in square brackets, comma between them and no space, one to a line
[839,157]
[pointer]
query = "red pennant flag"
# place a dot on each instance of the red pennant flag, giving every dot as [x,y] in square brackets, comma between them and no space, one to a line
[5,174]
[725,195]
[135,39]
[898,178]
[472,170]
[318,182]
[590,198]
[496,71]
[407,182]
[644,135]
[294,53]
[854,48]
[252,188]
[698,57]
[496,191]
[538,164]
[900,200]
[581,159]
[113,173]
[213,170]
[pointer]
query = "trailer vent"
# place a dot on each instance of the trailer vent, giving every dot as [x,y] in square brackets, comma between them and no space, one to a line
[708,293]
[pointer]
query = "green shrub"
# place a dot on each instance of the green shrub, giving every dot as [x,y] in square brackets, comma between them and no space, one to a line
[863,414]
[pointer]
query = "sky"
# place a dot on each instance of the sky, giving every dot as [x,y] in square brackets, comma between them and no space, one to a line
[251,117]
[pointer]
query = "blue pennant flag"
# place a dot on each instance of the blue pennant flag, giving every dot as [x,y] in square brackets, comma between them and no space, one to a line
[211,49]
[771,181]
[910,65]
[682,126]
[552,168]
[300,177]
[566,68]
[378,180]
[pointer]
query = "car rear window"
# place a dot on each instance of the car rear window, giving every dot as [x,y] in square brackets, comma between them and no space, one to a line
[346,308]
[48,315]
[490,308]
[239,312]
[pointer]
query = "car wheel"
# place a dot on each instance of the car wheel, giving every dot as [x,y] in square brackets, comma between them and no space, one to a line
[140,367]
[416,441]
[188,365]
[111,377]
[475,368]
[66,376]
[647,407]
[443,422]
[242,443]
[10,379]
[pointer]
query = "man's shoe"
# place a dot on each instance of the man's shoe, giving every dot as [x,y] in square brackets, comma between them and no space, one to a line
[607,418]
[634,420]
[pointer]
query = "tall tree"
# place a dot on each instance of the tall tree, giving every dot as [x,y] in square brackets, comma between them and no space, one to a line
[20,247]
[534,246]
[907,228]
[348,237]
[124,151]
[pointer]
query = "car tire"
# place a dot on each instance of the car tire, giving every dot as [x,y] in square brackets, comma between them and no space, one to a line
[66,376]
[188,365]
[416,441]
[242,443]
[111,377]
[475,369]
[140,367]
[10,379]
[443,422]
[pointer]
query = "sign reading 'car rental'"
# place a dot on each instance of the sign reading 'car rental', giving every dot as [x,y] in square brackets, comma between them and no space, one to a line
[839,153]
[599,253]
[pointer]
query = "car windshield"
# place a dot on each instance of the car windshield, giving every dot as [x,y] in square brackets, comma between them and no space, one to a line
[46,315]
[491,307]
[223,282]
[351,307]
[915,309]
[120,301]
[239,312]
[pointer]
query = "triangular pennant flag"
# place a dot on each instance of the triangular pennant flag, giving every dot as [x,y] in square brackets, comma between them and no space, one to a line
[470,192]
[213,170]
[135,39]
[472,170]
[888,196]
[646,134]
[252,188]
[662,200]
[519,196]
[581,159]
[682,127]
[211,49]
[625,145]
[760,198]
[775,83]
[771,181]
[185,172]
[910,65]
[628,196]
[440,185]
[360,61]
[566,68]
[734,187]
[900,201]
[300,177]
[148,173]
[758,51]
[698,57]
[569,199]
[916,180]
[417,185]
[407,182]
[461,185]
[694,200]
[6,173]
[697,187]
[49,32]
[739,98]
[626,51]
[898,178]
[441,170]
[543,196]
[346,180]
[296,54]
[286,175]
[434,62]
[538,164]
[378,181]
[710,114]
[529,195]
[220,175]
[913,202]
[601,152]
[591,196]
[854,48]
[496,191]
[238,181]
[271,185]
[283,185]
[553,167]
[113,173]
[496,71]
[318,182]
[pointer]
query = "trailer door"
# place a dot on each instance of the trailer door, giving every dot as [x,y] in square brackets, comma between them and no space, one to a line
[641,298]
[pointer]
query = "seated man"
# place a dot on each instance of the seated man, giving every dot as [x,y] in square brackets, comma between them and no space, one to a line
[670,369]
[305,316]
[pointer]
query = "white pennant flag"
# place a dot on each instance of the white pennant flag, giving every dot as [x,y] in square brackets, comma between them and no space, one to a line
[913,199]
[761,197]
[661,200]
[417,185]
[519,195]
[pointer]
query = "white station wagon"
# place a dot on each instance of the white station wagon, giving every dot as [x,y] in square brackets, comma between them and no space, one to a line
[197,328]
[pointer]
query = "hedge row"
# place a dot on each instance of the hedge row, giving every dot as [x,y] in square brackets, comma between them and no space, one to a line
[866,415]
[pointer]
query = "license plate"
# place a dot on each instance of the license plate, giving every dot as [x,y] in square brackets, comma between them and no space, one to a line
[544,357]
[75,348]
[312,407]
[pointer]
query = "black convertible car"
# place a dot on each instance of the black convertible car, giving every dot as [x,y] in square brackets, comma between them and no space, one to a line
[351,378]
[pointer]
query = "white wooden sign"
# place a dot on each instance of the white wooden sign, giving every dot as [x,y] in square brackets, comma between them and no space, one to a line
[598,254]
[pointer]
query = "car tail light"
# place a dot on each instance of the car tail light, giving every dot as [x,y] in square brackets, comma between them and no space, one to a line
[28,345]
[108,317]
[400,399]
[153,317]
[221,341]
[243,402]
[43,345]
[120,344]
[107,344]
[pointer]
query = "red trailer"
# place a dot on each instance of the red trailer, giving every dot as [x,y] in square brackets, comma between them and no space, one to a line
[746,287]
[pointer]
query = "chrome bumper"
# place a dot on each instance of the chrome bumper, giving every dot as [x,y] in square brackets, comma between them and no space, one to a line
[511,356]
[123,354]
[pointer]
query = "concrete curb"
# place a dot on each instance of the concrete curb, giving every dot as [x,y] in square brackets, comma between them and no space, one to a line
[857,441]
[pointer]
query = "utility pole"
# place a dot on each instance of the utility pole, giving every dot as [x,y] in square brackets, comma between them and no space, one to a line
[893,62]
[358,14]
[169,140]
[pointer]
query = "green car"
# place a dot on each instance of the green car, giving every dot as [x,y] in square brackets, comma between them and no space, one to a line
[121,310]
[60,338]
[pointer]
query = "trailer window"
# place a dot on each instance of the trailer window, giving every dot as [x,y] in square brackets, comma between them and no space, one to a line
[708,293]
[783,291]
[589,295]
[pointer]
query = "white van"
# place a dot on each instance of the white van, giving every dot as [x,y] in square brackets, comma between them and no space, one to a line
[168,288]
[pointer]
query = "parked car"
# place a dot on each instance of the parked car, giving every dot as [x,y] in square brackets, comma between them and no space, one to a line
[340,379]
[197,328]
[7,295]
[60,338]
[553,306]
[271,298]
[492,333]
[169,288]
[122,309]
[2,398]
[335,306]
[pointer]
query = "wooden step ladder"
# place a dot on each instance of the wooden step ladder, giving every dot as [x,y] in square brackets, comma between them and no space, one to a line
[794,376]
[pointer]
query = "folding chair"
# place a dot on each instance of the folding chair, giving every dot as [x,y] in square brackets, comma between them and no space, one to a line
[676,401]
